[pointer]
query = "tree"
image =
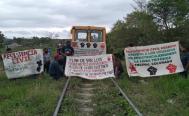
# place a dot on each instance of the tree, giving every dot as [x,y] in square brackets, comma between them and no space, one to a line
[117,35]
[142,28]
[169,13]
[141,5]
[138,27]
[18,40]
[2,38]
[171,17]
[157,21]
[118,25]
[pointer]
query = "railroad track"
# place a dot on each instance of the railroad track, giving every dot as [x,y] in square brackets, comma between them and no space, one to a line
[86,91]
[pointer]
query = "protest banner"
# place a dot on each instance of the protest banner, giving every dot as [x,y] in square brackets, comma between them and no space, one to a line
[23,63]
[90,67]
[153,60]
[89,48]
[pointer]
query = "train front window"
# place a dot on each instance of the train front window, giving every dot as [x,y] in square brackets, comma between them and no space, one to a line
[96,36]
[81,36]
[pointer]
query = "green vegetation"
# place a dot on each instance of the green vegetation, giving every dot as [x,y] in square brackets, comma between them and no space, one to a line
[29,96]
[2,37]
[70,106]
[40,42]
[165,96]
[106,100]
[157,21]
[152,22]
[109,100]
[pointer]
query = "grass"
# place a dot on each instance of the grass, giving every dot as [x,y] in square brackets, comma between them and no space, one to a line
[109,101]
[105,102]
[159,96]
[28,96]
[70,106]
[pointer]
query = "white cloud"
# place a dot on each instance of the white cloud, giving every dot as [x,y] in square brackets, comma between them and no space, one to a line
[59,14]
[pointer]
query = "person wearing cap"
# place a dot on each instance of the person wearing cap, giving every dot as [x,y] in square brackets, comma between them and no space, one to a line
[54,69]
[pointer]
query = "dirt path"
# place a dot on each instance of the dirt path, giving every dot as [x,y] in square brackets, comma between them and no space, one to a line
[84,98]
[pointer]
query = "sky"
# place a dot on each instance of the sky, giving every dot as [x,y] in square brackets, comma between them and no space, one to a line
[27,18]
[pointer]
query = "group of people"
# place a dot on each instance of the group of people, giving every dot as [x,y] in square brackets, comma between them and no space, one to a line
[56,67]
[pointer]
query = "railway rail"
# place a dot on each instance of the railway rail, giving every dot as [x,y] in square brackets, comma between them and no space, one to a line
[65,88]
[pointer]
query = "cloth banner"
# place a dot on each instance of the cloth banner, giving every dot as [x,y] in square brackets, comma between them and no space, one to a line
[89,48]
[90,67]
[23,63]
[153,60]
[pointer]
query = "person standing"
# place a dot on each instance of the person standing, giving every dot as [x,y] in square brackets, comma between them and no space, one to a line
[185,61]
[46,58]
[67,50]
[118,69]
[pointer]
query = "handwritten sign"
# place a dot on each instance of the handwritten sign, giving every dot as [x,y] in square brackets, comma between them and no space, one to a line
[23,63]
[153,60]
[90,67]
[89,48]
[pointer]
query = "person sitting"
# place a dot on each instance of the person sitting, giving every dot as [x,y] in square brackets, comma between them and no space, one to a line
[54,69]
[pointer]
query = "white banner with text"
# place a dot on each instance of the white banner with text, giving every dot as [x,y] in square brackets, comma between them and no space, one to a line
[153,60]
[23,63]
[90,67]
